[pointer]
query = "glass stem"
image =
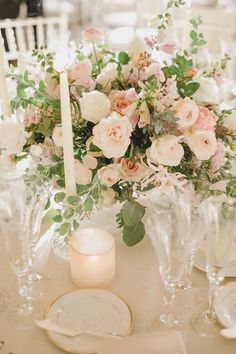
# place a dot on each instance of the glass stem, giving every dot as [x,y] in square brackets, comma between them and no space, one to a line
[169,297]
[25,305]
[187,283]
[212,292]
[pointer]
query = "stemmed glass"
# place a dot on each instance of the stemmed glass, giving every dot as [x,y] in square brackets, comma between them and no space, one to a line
[168,227]
[219,215]
[16,212]
[190,295]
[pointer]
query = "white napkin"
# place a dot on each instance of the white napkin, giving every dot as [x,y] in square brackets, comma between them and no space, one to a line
[162,342]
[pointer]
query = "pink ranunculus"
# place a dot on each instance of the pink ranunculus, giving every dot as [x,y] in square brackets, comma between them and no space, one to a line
[217,160]
[92,34]
[206,120]
[120,100]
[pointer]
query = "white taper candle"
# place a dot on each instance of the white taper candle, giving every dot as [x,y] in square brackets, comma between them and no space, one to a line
[5,102]
[67,136]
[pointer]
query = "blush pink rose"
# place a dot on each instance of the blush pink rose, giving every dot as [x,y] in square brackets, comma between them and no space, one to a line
[206,120]
[80,74]
[187,111]
[92,34]
[120,100]
[132,170]
[32,116]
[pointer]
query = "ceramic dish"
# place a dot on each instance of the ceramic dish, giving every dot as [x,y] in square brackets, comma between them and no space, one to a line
[225,305]
[88,309]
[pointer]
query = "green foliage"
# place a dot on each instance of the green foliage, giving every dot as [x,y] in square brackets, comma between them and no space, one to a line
[123,58]
[196,37]
[133,234]
[163,123]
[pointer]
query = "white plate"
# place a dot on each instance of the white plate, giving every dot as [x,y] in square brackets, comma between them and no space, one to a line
[225,305]
[88,309]
[200,263]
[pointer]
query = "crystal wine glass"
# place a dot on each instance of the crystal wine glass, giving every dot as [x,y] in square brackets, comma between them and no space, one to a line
[167,227]
[219,215]
[17,205]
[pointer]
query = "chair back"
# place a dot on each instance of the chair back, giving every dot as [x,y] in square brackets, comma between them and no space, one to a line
[23,35]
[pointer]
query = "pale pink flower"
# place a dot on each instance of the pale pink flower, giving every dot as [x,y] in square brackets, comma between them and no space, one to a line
[121,100]
[187,111]
[94,106]
[132,74]
[168,48]
[32,116]
[7,162]
[206,120]
[203,144]
[53,86]
[112,135]
[80,74]
[154,69]
[132,170]
[217,160]
[149,41]
[92,34]
[12,136]
[137,46]
[219,186]
[83,175]
[108,197]
[109,175]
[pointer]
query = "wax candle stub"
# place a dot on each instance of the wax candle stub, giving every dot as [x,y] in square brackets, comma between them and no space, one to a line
[92,258]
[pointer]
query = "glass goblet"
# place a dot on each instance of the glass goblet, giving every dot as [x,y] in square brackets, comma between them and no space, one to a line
[219,215]
[17,205]
[166,228]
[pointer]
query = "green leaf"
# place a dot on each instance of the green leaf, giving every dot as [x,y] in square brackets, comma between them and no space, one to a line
[46,123]
[201,42]
[57,218]
[191,88]
[63,229]
[61,182]
[73,199]
[59,197]
[123,57]
[75,225]
[132,212]
[41,85]
[193,35]
[89,204]
[48,204]
[68,213]
[134,234]
[26,75]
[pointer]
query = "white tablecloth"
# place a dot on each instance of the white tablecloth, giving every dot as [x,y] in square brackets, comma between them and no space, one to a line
[137,281]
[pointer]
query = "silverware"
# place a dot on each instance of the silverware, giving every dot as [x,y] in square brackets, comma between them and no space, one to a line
[229,333]
[68,332]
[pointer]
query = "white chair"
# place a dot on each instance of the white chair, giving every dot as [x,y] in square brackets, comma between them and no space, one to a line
[23,35]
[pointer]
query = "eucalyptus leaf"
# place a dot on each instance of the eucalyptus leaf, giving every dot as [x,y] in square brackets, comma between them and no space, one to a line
[132,212]
[133,234]
[59,197]
[57,218]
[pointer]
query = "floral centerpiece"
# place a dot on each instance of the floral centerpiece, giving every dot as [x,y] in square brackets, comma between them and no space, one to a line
[142,119]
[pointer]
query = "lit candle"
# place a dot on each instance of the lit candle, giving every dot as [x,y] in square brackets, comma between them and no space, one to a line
[6,108]
[92,258]
[67,136]
[186,27]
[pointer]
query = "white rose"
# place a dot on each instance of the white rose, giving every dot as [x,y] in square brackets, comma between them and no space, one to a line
[208,91]
[109,175]
[154,69]
[166,151]
[83,175]
[94,105]
[107,75]
[12,136]
[137,46]
[203,144]
[90,162]
[108,197]
[57,135]
[36,150]
[112,135]
[230,121]
[187,111]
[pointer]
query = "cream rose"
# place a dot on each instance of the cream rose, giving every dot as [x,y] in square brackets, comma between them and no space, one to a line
[83,175]
[166,151]
[107,75]
[90,162]
[187,111]
[7,162]
[108,197]
[57,135]
[203,144]
[208,91]
[109,175]
[112,135]
[12,136]
[94,105]
[132,170]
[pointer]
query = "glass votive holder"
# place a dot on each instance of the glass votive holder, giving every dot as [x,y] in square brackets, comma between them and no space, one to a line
[92,258]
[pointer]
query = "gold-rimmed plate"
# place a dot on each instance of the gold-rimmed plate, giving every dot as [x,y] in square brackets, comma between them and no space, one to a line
[88,309]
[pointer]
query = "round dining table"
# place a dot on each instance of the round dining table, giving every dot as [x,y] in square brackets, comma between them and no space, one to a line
[137,281]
